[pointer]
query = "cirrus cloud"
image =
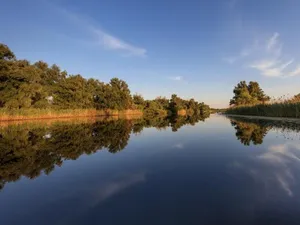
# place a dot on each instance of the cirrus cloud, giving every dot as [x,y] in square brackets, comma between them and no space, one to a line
[98,36]
[113,43]
[268,58]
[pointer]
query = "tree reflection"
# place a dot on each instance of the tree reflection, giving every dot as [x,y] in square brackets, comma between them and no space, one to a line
[254,129]
[249,132]
[30,150]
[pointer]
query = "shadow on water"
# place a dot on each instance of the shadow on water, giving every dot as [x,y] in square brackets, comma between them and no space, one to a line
[30,149]
[253,130]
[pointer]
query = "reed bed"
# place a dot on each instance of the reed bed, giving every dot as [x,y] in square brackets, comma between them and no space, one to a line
[278,109]
[29,114]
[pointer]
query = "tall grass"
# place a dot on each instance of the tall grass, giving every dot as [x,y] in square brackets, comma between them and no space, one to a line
[68,120]
[278,109]
[25,114]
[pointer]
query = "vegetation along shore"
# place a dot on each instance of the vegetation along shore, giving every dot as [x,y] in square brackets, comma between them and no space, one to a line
[250,99]
[40,91]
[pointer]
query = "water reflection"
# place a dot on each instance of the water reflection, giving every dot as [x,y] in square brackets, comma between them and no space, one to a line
[200,171]
[275,170]
[253,130]
[249,132]
[32,149]
[277,166]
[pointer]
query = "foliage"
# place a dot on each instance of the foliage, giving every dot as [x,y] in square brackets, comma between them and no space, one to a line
[284,109]
[216,110]
[251,100]
[33,113]
[248,94]
[175,106]
[39,86]
[138,101]
[6,53]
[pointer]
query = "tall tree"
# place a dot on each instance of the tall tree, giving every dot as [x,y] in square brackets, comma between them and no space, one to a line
[139,101]
[248,94]
[257,93]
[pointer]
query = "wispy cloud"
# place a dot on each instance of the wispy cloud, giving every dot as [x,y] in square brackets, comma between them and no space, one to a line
[176,78]
[101,37]
[272,43]
[296,72]
[113,43]
[242,54]
[274,68]
[267,57]
[273,62]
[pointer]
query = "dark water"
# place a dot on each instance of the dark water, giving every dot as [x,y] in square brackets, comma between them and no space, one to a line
[216,170]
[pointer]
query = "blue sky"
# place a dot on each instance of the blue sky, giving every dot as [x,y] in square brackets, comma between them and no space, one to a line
[196,49]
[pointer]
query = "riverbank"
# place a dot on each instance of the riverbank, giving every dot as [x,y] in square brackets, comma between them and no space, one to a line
[286,119]
[68,120]
[281,110]
[42,114]
[38,114]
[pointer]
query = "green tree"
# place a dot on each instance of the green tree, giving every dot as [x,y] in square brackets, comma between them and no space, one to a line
[20,84]
[6,53]
[257,94]
[177,104]
[73,92]
[248,94]
[139,101]
[118,95]
[154,108]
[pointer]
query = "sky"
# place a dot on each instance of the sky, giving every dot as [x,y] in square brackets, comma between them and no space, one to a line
[196,49]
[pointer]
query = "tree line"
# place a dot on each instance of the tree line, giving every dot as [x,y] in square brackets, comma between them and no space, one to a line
[24,85]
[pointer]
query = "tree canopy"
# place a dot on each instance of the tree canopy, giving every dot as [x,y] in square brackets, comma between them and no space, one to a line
[24,85]
[247,94]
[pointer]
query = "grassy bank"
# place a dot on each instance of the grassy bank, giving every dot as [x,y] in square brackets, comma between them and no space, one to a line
[39,114]
[29,114]
[67,120]
[285,109]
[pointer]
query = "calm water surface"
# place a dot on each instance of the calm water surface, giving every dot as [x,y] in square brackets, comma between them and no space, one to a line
[216,170]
